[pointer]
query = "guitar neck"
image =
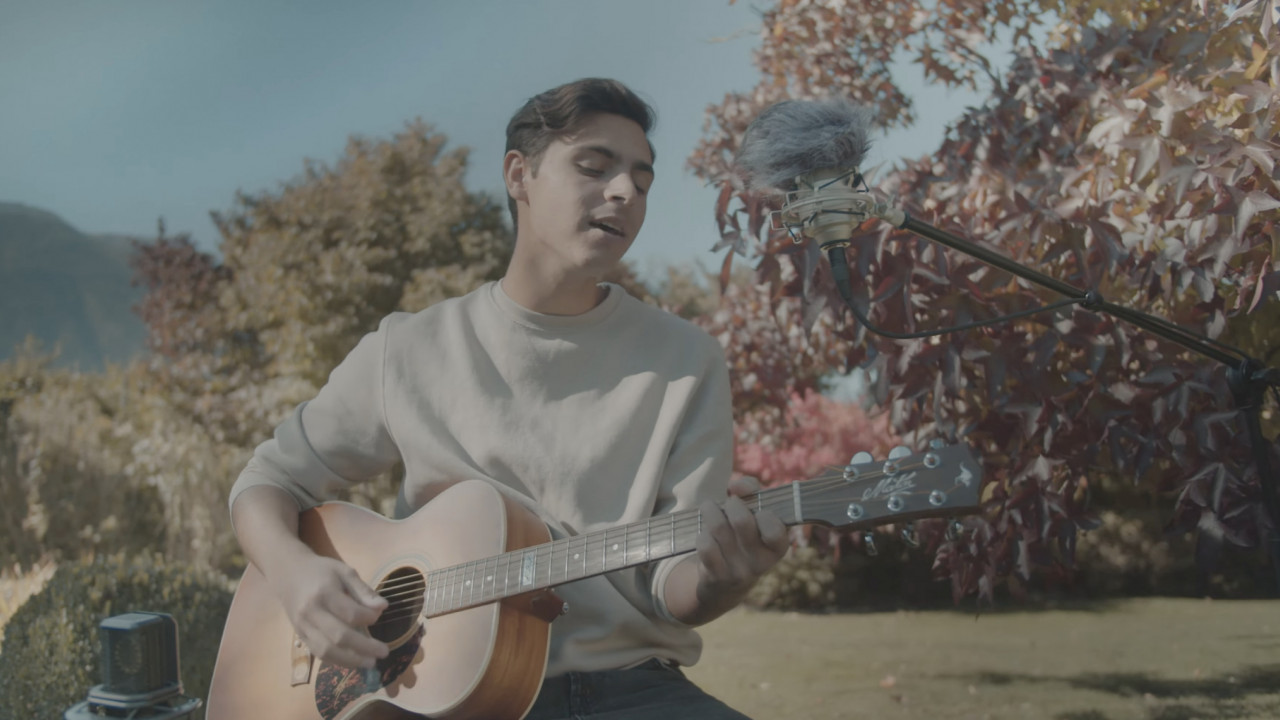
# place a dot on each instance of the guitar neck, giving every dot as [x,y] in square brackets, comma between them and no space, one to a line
[575,558]
[945,481]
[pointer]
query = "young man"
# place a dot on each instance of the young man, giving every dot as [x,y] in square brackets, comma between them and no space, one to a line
[578,401]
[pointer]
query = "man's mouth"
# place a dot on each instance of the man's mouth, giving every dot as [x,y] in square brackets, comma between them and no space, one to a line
[607,228]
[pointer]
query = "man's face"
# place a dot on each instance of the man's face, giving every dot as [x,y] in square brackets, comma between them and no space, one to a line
[587,196]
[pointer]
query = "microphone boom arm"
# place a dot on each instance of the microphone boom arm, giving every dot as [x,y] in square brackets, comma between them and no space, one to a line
[1090,299]
[1247,377]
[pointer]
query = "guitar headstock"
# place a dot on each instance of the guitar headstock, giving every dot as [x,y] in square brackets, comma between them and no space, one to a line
[943,481]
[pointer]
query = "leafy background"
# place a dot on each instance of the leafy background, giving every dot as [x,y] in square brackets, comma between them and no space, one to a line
[1128,147]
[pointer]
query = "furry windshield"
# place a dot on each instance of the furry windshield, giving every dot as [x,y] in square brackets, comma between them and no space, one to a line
[795,137]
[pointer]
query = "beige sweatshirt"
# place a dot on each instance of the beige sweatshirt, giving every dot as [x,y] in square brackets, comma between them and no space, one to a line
[591,421]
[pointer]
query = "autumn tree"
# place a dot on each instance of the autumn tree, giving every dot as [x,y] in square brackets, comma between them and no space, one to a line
[142,456]
[308,269]
[238,341]
[1129,148]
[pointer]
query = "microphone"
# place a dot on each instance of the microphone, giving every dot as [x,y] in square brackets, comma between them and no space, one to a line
[810,150]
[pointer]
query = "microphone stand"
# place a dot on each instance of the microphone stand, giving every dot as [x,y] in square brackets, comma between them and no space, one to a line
[1247,377]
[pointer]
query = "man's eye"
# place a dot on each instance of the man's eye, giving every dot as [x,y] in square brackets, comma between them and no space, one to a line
[642,189]
[585,170]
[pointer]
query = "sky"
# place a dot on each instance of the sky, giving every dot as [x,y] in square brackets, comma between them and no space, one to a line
[118,113]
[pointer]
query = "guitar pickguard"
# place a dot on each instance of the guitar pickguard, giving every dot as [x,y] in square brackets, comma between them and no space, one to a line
[337,686]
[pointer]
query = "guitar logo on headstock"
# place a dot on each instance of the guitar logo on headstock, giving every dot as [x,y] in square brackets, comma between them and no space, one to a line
[890,485]
[942,481]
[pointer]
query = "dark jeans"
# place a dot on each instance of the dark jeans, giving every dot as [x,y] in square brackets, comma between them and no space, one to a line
[650,691]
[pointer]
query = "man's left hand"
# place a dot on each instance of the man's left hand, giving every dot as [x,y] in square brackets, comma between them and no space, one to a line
[735,548]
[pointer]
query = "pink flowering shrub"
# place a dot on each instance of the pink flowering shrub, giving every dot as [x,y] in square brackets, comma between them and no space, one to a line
[817,433]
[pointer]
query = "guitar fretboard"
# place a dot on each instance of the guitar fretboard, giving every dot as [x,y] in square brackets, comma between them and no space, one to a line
[942,482]
[575,558]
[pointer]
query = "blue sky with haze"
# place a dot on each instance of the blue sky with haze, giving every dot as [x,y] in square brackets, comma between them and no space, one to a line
[119,112]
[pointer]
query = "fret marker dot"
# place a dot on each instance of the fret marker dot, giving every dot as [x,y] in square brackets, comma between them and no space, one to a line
[615,546]
[576,556]
[488,578]
[467,583]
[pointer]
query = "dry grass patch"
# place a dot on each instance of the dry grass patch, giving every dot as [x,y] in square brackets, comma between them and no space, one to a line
[16,586]
[1149,659]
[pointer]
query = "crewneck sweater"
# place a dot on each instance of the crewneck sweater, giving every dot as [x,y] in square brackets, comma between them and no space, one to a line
[590,421]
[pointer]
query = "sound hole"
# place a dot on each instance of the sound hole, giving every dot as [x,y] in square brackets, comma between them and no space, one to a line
[404,590]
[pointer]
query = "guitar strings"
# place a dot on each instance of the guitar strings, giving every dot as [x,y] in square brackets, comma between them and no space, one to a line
[461,595]
[412,589]
[679,527]
[587,540]
[457,587]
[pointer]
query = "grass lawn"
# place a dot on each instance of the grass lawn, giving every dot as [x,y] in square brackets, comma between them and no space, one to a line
[1154,659]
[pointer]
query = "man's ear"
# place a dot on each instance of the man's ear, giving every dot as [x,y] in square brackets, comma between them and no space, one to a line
[515,171]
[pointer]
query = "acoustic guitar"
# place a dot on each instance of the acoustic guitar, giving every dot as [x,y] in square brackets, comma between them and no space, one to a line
[468,581]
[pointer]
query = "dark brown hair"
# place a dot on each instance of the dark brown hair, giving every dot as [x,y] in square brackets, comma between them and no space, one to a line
[561,110]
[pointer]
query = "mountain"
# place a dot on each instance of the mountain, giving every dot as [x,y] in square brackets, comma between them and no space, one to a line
[66,288]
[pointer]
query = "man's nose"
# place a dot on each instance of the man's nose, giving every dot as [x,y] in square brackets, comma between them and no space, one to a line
[621,188]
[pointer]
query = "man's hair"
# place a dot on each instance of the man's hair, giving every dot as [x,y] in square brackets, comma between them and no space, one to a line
[561,110]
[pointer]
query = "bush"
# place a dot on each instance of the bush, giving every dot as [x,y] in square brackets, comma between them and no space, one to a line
[803,580]
[815,433]
[1125,556]
[1129,554]
[50,656]
[834,572]
[94,464]
[66,488]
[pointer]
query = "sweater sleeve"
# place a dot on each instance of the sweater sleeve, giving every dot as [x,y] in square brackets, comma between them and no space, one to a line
[700,461]
[336,439]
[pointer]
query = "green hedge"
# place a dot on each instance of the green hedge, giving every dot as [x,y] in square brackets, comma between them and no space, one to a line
[50,654]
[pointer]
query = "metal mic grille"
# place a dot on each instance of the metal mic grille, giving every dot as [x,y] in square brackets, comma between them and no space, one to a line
[139,655]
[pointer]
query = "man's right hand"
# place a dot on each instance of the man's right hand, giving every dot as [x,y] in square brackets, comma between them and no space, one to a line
[327,602]
[331,608]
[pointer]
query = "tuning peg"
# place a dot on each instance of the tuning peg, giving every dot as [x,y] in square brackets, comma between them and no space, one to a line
[954,528]
[909,535]
[869,542]
[896,454]
[851,471]
[937,443]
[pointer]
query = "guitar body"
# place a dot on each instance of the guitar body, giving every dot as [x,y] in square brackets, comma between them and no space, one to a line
[482,662]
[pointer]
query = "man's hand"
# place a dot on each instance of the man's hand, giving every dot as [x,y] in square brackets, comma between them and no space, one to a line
[736,546]
[328,604]
[331,608]
[734,549]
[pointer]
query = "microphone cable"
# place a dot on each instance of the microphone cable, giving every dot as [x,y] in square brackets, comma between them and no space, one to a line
[840,273]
